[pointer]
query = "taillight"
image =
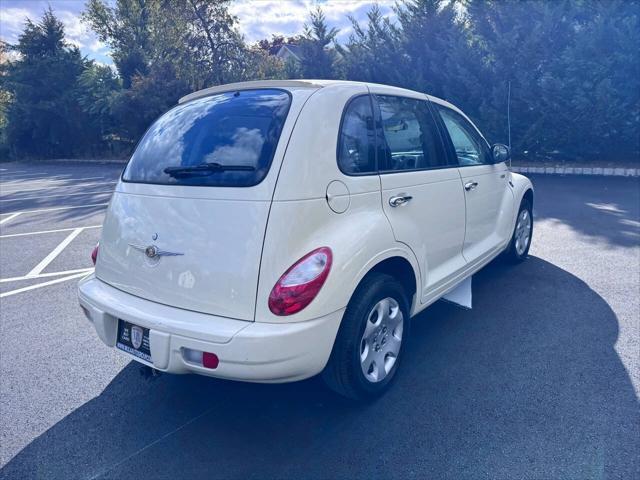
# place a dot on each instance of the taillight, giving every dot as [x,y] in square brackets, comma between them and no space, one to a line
[300,284]
[94,253]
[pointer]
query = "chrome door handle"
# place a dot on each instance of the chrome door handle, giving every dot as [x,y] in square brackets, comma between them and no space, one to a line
[398,200]
[470,185]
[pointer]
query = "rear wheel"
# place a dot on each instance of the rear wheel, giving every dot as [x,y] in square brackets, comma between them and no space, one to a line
[367,350]
[522,233]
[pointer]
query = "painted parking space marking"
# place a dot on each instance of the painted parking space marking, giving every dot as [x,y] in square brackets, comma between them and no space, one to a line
[9,217]
[42,232]
[43,284]
[35,271]
[52,224]
[45,275]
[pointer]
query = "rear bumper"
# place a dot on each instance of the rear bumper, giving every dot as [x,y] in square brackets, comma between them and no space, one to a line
[248,351]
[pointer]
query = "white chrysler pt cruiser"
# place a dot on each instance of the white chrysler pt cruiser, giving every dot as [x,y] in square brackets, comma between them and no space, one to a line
[271,231]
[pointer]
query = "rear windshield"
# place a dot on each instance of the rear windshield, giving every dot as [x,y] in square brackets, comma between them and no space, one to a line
[224,140]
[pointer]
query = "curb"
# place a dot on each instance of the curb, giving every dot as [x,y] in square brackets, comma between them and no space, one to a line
[590,171]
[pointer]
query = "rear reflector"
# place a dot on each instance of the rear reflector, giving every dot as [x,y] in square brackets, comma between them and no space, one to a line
[202,359]
[209,360]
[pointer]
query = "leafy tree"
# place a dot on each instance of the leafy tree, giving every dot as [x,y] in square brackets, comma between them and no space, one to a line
[150,95]
[199,37]
[44,118]
[264,66]
[97,88]
[127,29]
[166,48]
[318,59]
[210,46]
[5,100]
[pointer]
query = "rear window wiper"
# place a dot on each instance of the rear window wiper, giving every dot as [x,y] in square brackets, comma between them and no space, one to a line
[206,168]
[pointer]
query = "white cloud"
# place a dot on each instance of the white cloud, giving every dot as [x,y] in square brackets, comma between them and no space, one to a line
[13,15]
[260,19]
[12,22]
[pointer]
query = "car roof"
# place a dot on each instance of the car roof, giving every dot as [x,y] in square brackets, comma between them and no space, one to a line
[302,83]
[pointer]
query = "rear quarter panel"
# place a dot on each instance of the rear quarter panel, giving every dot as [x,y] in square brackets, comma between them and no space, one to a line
[359,238]
[300,219]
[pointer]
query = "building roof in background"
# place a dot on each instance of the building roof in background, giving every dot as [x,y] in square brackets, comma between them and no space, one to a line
[290,51]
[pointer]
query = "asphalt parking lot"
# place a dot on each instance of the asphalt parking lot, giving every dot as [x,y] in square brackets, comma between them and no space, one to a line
[540,380]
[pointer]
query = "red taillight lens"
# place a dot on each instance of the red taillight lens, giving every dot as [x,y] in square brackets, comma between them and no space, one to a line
[210,360]
[300,284]
[94,253]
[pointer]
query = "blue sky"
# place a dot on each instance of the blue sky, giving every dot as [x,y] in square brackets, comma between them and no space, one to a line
[258,19]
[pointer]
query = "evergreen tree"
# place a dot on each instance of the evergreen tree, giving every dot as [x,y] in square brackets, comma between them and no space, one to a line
[374,52]
[521,42]
[596,84]
[44,118]
[319,60]
[432,32]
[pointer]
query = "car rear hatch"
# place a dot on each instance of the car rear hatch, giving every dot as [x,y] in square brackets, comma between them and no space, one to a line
[186,224]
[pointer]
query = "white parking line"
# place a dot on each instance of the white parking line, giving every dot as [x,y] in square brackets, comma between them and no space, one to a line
[45,275]
[10,217]
[35,271]
[55,195]
[40,210]
[40,285]
[41,232]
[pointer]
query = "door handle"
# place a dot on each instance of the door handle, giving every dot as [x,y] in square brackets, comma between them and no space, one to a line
[398,200]
[470,185]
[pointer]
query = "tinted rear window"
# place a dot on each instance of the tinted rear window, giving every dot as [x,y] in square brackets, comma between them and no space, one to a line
[234,129]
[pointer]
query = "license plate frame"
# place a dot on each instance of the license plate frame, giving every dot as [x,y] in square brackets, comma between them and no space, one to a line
[129,335]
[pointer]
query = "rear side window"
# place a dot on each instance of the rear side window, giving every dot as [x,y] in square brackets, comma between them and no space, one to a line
[412,138]
[356,144]
[223,140]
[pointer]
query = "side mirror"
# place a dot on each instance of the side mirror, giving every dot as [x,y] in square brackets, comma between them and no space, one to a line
[501,153]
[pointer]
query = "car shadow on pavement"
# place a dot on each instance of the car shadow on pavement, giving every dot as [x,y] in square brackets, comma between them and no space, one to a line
[525,385]
[606,209]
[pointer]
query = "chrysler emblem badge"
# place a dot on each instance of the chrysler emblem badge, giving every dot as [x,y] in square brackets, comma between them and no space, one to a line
[136,337]
[153,252]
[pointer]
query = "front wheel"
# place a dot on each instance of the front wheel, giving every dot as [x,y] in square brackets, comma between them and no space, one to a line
[522,233]
[367,350]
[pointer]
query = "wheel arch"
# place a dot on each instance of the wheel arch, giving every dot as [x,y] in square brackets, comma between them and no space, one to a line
[400,266]
[522,189]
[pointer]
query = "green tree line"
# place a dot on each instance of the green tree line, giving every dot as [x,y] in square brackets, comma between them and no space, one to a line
[572,69]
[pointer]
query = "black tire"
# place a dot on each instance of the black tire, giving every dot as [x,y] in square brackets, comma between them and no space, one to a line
[343,372]
[511,253]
